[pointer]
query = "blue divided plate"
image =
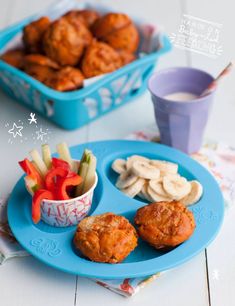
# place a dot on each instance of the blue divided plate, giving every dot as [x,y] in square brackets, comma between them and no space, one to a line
[54,246]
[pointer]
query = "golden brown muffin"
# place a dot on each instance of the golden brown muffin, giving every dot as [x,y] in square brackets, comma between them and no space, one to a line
[105,238]
[14,58]
[82,31]
[41,60]
[66,79]
[110,23]
[87,17]
[39,67]
[164,224]
[64,41]
[126,57]
[118,31]
[33,33]
[124,39]
[100,58]
[40,73]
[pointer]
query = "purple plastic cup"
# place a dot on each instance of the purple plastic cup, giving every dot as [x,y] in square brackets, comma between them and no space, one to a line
[181,124]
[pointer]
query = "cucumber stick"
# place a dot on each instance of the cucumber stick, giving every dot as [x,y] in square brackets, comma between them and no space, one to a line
[90,176]
[39,162]
[31,184]
[86,156]
[46,155]
[36,167]
[64,154]
[83,169]
[86,170]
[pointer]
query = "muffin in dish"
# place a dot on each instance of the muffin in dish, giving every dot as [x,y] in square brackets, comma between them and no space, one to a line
[66,79]
[126,57]
[105,238]
[87,17]
[118,31]
[164,224]
[109,23]
[33,33]
[64,41]
[100,58]
[14,58]
[39,67]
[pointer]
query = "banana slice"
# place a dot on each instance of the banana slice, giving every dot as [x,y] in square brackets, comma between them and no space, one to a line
[119,166]
[176,186]
[143,194]
[145,170]
[134,158]
[194,195]
[135,188]
[157,197]
[126,179]
[157,187]
[164,166]
[169,175]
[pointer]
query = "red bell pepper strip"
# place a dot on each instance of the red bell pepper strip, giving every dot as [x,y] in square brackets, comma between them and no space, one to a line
[38,196]
[31,171]
[52,176]
[57,162]
[65,183]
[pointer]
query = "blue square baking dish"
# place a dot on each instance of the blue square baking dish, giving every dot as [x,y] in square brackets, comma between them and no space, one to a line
[71,110]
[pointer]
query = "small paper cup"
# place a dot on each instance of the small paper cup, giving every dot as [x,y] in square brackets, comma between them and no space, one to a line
[63,213]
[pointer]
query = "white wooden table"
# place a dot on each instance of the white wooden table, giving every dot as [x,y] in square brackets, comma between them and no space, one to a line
[209,278]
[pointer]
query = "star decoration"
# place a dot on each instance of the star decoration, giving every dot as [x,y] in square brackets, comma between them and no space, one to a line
[16,130]
[32,118]
[40,134]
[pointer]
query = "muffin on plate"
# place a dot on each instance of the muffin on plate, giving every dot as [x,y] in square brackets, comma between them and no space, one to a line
[87,17]
[105,238]
[66,79]
[164,224]
[64,41]
[100,58]
[118,31]
[33,33]
[39,67]
[14,58]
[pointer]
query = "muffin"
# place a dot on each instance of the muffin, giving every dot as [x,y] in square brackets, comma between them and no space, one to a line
[66,79]
[87,17]
[41,60]
[33,33]
[64,41]
[118,31]
[126,57]
[100,58]
[110,23]
[39,67]
[14,58]
[105,238]
[164,224]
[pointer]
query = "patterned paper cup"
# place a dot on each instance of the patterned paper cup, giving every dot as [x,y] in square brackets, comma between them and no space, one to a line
[67,212]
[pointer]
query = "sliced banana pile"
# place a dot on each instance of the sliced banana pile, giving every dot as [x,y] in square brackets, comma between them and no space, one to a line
[155,180]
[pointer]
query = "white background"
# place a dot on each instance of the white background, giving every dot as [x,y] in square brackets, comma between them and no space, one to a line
[28,282]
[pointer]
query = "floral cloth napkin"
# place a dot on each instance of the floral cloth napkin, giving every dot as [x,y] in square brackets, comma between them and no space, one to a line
[218,158]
